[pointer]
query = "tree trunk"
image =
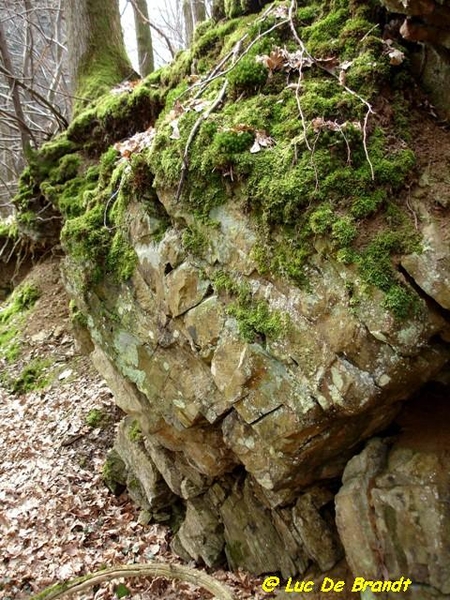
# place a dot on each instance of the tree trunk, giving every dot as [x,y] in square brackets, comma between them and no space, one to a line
[188,22]
[143,37]
[199,11]
[97,52]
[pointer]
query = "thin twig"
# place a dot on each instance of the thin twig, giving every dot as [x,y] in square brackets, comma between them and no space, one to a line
[192,135]
[216,75]
[62,120]
[110,199]
[305,52]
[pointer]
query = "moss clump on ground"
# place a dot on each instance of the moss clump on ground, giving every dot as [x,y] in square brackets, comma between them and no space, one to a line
[97,418]
[12,314]
[22,299]
[34,376]
[10,345]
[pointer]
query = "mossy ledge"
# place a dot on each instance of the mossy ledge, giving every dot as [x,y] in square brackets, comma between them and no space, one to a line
[332,167]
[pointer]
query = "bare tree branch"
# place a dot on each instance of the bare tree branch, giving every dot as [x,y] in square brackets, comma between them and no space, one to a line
[25,133]
[60,118]
[171,571]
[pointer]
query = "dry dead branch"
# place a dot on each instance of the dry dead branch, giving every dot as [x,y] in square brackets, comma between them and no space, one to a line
[170,571]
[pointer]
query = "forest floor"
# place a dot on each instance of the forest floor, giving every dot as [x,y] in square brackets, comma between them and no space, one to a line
[57,518]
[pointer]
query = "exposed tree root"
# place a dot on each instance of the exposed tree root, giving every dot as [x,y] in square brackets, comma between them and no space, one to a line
[180,572]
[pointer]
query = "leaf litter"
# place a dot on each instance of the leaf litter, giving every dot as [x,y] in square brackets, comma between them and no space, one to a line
[57,518]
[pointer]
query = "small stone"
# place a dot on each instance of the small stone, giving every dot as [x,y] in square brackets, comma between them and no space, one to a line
[39,337]
[65,374]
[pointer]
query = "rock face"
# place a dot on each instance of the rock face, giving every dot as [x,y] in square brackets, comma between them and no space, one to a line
[264,280]
[393,510]
[427,23]
[239,430]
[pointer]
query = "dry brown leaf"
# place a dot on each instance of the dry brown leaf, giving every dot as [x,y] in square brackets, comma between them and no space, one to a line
[262,140]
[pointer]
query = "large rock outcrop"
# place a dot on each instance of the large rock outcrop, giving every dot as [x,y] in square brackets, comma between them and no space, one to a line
[240,430]
[261,264]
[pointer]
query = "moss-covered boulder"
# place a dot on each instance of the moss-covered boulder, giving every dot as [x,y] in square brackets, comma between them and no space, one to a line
[247,241]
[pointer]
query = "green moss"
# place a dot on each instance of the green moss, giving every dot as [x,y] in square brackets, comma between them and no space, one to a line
[368,203]
[376,268]
[284,256]
[12,353]
[225,149]
[22,299]
[323,97]
[209,37]
[257,320]
[343,231]
[247,75]
[107,164]
[194,240]
[307,14]
[321,219]
[76,316]
[10,344]
[322,37]
[135,432]
[96,418]
[392,171]
[67,168]
[354,31]
[50,152]
[367,71]
[9,230]
[121,591]
[6,335]
[114,473]
[34,376]
[122,259]
[86,238]
[235,552]
[400,301]
[116,116]
[254,317]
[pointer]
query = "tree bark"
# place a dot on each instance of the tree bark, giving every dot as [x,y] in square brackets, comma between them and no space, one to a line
[143,37]
[188,22]
[199,11]
[97,54]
